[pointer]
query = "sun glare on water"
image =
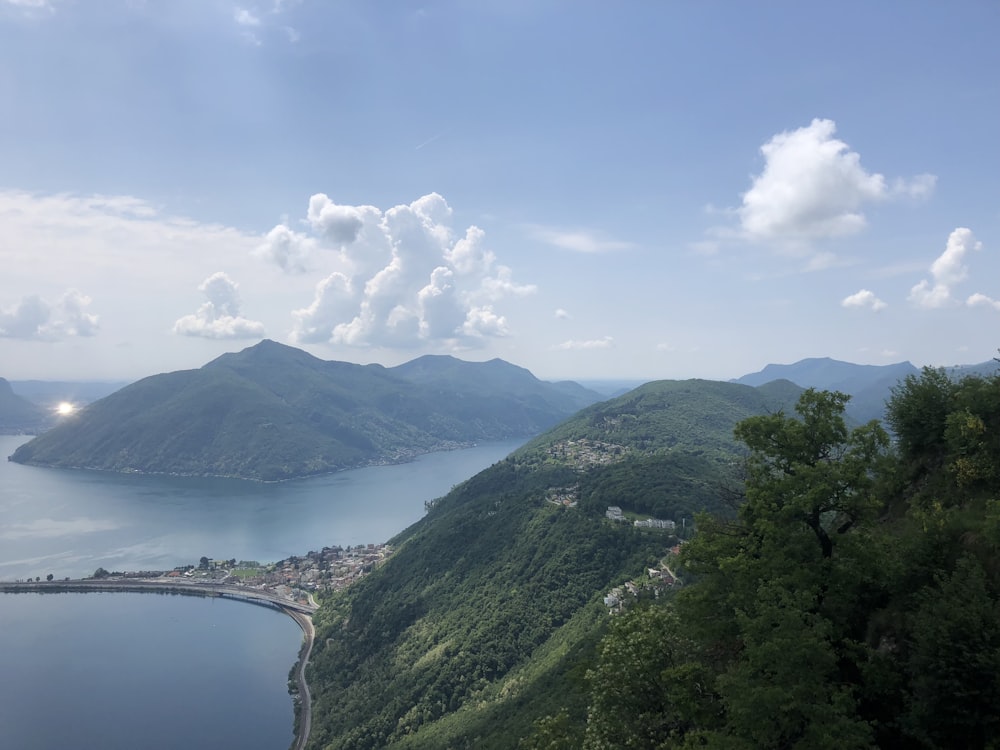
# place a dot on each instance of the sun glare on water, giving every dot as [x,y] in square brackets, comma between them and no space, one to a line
[64,408]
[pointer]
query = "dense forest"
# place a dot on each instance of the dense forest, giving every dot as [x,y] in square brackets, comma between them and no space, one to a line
[842,589]
[852,602]
[273,412]
[488,614]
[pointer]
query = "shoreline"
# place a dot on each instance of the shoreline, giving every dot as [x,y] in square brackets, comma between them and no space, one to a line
[407,457]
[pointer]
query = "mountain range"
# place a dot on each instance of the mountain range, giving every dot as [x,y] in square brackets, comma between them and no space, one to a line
[869,386]
[273,412]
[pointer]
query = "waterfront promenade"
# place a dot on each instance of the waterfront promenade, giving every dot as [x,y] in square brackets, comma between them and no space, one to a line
[263,597]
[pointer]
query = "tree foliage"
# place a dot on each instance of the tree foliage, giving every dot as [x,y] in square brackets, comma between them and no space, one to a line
[853,602]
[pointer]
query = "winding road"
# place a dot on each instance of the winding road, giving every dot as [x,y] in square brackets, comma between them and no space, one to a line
[305,699]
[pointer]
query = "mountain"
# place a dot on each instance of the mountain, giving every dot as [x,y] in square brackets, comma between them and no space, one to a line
[485,617]
[18,415]
[868,385]
[448,375]
[273,412]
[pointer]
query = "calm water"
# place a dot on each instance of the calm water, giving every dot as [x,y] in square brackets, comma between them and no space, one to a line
[69,523]
[127,671]
[145,670]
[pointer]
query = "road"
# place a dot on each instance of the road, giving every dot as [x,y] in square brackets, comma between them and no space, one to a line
[305,699]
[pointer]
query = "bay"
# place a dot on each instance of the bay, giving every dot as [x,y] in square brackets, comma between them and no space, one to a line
[116,670]
[70,522]
[121,671]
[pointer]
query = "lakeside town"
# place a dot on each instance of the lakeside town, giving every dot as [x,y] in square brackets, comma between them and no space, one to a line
[295,578]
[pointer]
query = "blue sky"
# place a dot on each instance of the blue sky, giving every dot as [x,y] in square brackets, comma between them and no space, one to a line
[590,190]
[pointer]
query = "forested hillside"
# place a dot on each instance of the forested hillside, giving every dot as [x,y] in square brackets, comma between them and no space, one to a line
[273,412]
[853,602]
[487,617]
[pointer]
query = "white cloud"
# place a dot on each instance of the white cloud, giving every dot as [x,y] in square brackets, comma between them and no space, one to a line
[578,240]
[981,300]
[288,248]
[339,224]
[604,343]
[948,270]
[219,317]
[920,186]
[403,278]
[333,302]
[561,314]
[482,322]
[244,17]
[864,298]
[814,187]
[35,319]
[72,316]
[501,285]
[468,254]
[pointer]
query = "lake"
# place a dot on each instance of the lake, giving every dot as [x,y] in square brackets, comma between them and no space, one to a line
[70,522]
[156,671]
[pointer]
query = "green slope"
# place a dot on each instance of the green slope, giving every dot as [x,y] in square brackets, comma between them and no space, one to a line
[486,617]
[273,412]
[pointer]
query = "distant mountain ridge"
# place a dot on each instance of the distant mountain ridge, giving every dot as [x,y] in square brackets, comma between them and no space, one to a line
[868,385]
[273,412]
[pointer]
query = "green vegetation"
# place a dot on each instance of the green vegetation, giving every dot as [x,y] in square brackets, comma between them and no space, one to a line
[272,412]
[852,602]
[489,613]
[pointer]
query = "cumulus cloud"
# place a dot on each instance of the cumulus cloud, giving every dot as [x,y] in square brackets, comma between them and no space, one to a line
[948,270]
[864,298]
[481,322]
[578,240]
[404,277]
[33,318]
[603,343]
[561,314]
[287,248]
[219,316]
[814,187]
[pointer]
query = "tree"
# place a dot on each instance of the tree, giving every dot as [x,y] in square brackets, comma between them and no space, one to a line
[917,413]
[203,563]
[793,570]
[49,577]
[646,687]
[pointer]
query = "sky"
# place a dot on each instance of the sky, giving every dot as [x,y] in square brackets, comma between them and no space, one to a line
[590,190]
